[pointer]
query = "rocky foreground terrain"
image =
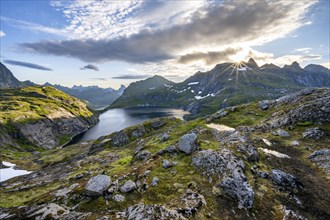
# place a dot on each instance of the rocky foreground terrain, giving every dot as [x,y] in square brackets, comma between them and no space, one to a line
[262,160]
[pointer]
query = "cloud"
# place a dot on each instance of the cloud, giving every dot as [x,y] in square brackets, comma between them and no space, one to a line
[214,26]
[303,50]
[90,67]
[209,58]
[327,65]
[27,65]
[100,79]
[131,76]
[2,34]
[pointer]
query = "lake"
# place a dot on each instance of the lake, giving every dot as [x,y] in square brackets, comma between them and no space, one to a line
[118,119]
[10,172]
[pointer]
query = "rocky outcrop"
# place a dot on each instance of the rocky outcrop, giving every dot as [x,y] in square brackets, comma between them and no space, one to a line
[309,105]
[192,202]
[142,211]
[322,159]
[188,143]
[97,185]
[313,133]
[229,169]
[285,181]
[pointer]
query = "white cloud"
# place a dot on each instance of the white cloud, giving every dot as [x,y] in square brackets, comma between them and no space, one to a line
[327,65]
[2,34]
[303,50]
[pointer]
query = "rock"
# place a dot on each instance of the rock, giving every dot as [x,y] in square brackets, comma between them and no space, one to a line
[118,198]
[113,187]
[155,181]
[295,143]
[291,215]
[212,162]
[164,137]
[119,139]
[282,133]
[168,164]
[267,142]
[264,105]
[157,124]
[192,202]
[138,132]
[128,186]
[237,186]
[322,159]
[142,155]
[249,151]
[187,143]
[150,212]
[313,133]
[97,185]
[65,191]
[51,210]
[171,149]
[79,176]
[285,181]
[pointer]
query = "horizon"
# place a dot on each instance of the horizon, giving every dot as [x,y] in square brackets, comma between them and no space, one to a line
[109,44]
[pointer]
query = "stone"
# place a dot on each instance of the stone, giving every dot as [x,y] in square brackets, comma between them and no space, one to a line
[164,137]
[282,133]
[113,187]
[118,198]
[128,186]
[295,143]
[264,105]
[192,202]
[157,124]
[237,186]
[51,209]
[285,181]
[154,181]
[119,139]
[168,164]
[322,159]
[149,212]
[97,185]
[65,191]
[188,143]
[142,155]
[249,151]
[138,132]
[313,133]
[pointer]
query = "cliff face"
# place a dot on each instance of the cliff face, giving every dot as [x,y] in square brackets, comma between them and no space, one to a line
[41,117]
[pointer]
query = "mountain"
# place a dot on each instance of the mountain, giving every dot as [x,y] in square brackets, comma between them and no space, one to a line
[40,118]
[8,80]
[227,84]
[95,96]
[261,160]
[140,92]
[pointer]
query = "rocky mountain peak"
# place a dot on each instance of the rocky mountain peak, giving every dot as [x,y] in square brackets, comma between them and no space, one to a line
[252,63]
[7,78]
[294,66]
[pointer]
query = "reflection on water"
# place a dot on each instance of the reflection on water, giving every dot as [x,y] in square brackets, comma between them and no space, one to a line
[118,119]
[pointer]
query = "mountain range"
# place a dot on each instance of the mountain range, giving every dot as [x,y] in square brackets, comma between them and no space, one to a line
[227,84]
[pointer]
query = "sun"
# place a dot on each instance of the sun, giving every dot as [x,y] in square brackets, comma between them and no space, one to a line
[238,57]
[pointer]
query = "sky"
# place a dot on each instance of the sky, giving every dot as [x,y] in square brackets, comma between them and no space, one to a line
[111,42]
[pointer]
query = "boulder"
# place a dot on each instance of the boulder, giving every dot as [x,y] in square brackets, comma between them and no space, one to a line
[168,164]
[264,105]
[237,186]
[142,155]
[171,149]
[313,133]
[97,185]
[138,132]
[192,202]
[285,181]
[118,198]
[119,139]
[164,137]
[157,124]
[128,186]
[282,133]
[188,143]
[155,181]
[249,151]
[295,143]
[113,187]
[322,159]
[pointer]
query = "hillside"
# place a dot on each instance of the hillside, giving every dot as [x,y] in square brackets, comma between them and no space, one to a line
[95,96]
[261,160]
[227,84]
[40,118]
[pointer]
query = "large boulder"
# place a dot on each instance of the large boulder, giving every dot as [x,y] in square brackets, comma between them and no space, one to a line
[188,143]
[313,133]
[285,181]
[120,139]
[237,186]
[322,159]
[97,185]
[128,186]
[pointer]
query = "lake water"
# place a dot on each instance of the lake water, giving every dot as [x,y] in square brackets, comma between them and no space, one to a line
[118,119]
[8,173]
